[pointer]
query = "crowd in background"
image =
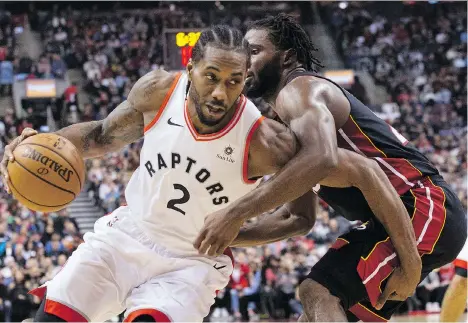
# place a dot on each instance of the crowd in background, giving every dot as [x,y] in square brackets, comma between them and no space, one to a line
[13,67]
[114,50]
[10,27]
[419,57]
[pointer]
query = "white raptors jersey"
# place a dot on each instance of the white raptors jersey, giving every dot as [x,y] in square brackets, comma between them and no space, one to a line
[184,176]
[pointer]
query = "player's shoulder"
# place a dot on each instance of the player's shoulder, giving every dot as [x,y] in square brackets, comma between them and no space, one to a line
[160,78]
[308,91]
[149,91]
[309,86]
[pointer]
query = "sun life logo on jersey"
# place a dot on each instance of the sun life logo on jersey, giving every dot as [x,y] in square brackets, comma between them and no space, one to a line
[226,154]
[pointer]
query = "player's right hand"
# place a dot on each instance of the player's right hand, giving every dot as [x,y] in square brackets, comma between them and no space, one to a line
[400,285]
[8,154]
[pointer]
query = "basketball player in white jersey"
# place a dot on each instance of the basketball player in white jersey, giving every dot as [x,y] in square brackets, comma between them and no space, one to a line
[455,299]
[202,151]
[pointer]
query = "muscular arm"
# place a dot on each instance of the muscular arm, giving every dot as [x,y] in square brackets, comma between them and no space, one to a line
[293,219]
[314,127]
[122,126]
[126,123]
[384,201]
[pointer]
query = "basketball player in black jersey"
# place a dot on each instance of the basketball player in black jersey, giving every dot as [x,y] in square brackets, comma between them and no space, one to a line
[368,272]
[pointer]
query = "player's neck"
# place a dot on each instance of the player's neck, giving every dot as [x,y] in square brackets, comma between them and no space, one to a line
[202,128]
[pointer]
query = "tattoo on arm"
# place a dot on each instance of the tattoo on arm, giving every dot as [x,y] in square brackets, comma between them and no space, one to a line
[124,125]
[149,90]
[91,132]
[127,127]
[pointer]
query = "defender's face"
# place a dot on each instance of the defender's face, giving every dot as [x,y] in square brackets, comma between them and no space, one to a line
[217,82]
[265,64]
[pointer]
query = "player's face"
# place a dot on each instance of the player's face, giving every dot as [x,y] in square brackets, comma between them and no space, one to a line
[264,73]
[217,82]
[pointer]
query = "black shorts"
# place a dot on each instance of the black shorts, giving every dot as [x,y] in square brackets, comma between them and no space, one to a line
[356,267]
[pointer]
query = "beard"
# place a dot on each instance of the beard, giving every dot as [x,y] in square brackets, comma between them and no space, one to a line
[204,119]
[267,79]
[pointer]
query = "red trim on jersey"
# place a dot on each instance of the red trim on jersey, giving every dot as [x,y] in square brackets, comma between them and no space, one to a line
[228,252]
[401,173]
[461,264]
[401,168]
[339,243]
[360,139]
[245,163]
[212,136]
[164,103]
[366,315]
[428,220]
[63,311]
[342,143]
[158,316]
[398,135]
[39,291]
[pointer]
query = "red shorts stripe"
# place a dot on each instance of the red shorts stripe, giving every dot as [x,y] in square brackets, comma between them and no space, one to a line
[460,264]
[63,311]
[158,316]
[376,267]
[41,290]
[428,221]
[430,214]
[365,314]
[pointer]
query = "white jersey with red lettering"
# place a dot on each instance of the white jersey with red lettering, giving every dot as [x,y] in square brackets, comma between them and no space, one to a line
[183,175]
[141,257]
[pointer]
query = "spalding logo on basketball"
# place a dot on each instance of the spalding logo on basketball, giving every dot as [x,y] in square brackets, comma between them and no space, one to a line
[47,174]
[50,163]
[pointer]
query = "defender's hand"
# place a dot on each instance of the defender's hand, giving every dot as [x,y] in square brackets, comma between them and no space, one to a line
[401,285]
[8,154]
[218,232]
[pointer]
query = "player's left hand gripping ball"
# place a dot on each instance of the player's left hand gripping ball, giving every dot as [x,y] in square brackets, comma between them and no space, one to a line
[218,232]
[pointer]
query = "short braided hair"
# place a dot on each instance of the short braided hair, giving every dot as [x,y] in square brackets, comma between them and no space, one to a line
[223,37]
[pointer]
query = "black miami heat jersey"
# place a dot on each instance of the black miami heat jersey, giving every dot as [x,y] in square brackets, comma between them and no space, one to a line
[368,135]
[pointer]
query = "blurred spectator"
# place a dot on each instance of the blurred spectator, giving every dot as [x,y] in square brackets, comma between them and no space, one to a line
[6,77]
[359,91]
[58,66]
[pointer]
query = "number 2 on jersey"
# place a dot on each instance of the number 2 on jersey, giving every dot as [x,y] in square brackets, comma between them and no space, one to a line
[184,199]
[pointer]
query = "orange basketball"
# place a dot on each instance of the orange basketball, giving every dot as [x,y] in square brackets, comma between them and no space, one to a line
[47,173]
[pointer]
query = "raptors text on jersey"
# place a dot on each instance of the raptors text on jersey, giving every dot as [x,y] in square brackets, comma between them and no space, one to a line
[184,176]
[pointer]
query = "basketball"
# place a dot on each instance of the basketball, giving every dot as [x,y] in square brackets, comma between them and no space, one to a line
[47,173]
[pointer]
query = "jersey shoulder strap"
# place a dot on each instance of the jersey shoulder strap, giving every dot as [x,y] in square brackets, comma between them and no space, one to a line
[174,97]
